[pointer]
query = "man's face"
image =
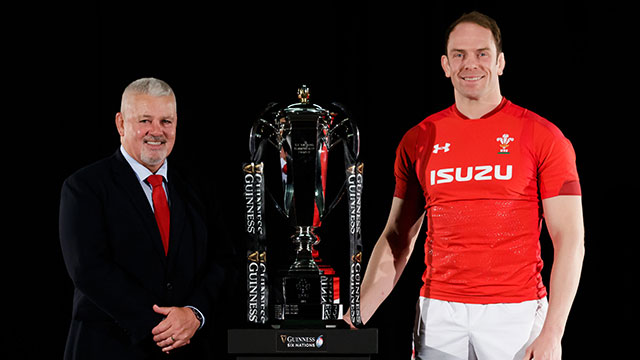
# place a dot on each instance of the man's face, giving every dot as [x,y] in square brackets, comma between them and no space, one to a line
[147,128]
[472,61]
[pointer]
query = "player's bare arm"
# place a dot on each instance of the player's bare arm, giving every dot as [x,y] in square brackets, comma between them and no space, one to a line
[563,215]
[391,253]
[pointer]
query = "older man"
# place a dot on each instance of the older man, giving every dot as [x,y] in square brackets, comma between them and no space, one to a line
[135,242]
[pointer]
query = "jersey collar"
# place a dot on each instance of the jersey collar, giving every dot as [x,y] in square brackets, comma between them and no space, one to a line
[489,114]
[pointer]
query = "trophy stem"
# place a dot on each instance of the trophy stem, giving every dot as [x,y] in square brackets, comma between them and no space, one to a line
[304,240]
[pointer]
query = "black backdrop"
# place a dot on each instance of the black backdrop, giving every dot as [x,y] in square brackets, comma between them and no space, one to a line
[226,62]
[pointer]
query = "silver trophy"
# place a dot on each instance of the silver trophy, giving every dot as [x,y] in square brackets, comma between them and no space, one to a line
[290,145]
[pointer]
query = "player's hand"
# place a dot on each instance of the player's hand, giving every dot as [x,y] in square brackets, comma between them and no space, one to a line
[546,347]
[347,318]
[176,329]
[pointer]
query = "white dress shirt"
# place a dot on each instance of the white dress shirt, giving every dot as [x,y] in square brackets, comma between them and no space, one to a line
[142,173]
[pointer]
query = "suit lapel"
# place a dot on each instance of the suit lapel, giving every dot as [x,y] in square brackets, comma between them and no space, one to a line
[126,178]
[178,219]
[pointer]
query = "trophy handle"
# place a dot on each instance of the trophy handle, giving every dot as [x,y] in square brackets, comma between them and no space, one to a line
[353,131]
[257,139]
[288,178]
[351,144]
[321,173]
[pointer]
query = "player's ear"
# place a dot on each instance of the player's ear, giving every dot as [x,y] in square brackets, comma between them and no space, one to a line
[501,62]
[444,61]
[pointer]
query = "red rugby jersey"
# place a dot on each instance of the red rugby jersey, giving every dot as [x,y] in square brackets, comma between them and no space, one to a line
[483,181]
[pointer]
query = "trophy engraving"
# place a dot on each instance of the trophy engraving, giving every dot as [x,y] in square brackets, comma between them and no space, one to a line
[298,139]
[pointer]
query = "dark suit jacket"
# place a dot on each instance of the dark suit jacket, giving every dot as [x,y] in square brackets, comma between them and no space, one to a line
[114,255]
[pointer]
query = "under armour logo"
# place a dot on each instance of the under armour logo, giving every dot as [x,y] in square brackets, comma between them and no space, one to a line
[437,147]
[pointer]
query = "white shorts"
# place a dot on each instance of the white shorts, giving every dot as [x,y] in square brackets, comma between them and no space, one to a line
[447,330]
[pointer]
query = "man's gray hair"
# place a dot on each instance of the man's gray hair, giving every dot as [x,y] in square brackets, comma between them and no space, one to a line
[147,86]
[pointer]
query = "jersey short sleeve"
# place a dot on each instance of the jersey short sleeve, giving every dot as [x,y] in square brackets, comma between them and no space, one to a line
[557,173]
[404,168]
[412,155]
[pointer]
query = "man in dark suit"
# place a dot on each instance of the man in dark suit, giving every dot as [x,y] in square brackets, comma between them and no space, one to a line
[135,246]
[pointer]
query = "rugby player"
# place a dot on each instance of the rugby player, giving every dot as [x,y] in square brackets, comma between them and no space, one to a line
[484,173]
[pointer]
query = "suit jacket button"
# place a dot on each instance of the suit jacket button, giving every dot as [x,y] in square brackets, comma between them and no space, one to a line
[169,286]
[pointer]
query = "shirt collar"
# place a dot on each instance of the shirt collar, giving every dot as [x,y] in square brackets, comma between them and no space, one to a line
[141,171]
[500,106]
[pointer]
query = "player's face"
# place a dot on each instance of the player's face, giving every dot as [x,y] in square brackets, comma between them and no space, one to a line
[148,128]
[472,62]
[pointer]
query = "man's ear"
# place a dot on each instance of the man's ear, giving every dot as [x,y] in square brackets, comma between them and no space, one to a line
[444,61]
[501,63]
[120,123]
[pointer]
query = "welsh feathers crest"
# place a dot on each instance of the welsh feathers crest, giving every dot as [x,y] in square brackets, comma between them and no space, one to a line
[504,143]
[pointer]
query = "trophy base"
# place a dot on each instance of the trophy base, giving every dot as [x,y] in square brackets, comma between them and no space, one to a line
[320,312]
[306,316]
[310,324]
[304,302]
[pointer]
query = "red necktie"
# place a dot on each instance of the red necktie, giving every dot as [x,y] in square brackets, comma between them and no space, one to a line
[161,209]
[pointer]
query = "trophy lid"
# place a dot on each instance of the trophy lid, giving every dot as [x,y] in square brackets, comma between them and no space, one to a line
[305,106]
[303,94]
